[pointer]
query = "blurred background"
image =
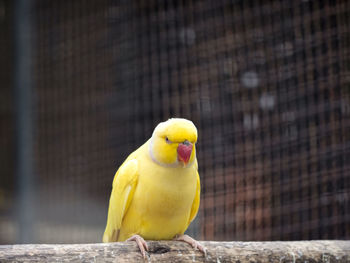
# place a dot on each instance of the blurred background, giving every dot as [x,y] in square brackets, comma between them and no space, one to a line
[267,83]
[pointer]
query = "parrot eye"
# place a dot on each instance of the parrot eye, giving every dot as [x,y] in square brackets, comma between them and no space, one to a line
[167,140]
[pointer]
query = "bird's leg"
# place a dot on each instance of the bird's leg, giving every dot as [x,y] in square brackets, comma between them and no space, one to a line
[194,243]
[141,244]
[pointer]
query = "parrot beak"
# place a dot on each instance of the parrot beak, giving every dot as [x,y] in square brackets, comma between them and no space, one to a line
[184,151]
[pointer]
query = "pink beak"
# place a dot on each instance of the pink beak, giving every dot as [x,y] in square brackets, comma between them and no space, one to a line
[184,151]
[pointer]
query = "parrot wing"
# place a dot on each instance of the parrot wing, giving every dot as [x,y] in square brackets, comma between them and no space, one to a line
[124,184]
[195,204]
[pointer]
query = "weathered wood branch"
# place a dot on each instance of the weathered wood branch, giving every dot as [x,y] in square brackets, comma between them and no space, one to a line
[174,251]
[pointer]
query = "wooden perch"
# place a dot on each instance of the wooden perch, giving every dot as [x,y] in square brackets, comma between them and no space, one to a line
[174,251]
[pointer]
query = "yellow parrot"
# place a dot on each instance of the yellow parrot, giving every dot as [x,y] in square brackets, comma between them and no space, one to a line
[156,191]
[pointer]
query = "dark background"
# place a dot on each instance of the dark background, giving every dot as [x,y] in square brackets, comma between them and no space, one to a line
[267,83]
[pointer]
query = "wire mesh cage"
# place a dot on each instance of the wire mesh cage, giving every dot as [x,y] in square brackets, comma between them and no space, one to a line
[265,82]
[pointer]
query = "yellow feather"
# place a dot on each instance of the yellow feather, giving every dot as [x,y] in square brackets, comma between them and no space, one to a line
[154,195]
[195,205]
[124,184]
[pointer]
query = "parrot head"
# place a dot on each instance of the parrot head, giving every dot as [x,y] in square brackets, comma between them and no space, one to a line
[173,143]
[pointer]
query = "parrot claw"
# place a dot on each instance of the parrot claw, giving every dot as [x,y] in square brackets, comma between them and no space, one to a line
[194,243]
[141,243]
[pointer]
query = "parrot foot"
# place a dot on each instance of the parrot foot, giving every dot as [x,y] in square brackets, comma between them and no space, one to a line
[194,243]
[141,244]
